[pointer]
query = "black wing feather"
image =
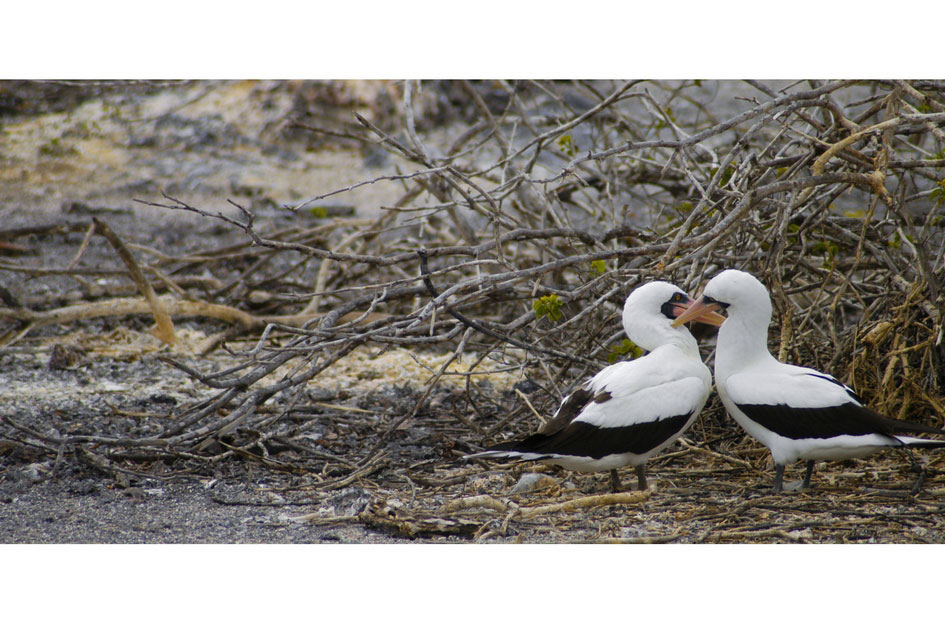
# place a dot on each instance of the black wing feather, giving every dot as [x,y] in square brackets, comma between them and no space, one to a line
[827,422]
[571,407]
[587,440]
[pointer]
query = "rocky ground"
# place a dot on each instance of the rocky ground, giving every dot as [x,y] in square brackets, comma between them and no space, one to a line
[71,154]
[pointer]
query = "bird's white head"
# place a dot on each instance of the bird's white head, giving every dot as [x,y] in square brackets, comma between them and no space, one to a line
[737,292]
[743,337]
[649,312]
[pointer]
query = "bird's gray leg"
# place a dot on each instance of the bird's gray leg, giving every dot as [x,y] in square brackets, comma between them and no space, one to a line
[614,480]
[778,476]
[808,473]
[641,477]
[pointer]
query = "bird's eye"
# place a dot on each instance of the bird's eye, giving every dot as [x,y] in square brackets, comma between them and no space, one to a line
[707,300]
[677,297]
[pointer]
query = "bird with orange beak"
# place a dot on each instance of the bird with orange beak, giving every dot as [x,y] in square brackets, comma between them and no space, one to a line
[631,410]
[797,412]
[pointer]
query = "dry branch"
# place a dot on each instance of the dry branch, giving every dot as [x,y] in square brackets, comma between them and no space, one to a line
[164,326]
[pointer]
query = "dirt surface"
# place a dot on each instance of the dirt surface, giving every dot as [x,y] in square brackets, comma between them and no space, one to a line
[398,475]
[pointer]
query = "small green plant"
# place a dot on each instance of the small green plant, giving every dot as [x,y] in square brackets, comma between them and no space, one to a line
[598,267]
[626,349]
[938,194]
[567,146]
[669,114]
[319,212]
[548,306]
[827,248]
[726,174]
[56,148]
[896,241]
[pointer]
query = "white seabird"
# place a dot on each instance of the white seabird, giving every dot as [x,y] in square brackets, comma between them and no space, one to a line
[631,410]
[797,412]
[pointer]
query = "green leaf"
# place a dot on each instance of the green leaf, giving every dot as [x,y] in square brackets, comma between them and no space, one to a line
[726,174]
[623,350]
[598,267]
[660,123]
[319,212]
[567,146]
[829,249]
[548,306]
[938,194]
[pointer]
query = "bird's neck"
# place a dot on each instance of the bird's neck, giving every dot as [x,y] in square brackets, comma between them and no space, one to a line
[743,342]
[687,344]
[652,337]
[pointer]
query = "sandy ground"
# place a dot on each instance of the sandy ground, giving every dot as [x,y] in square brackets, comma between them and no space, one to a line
[203,141]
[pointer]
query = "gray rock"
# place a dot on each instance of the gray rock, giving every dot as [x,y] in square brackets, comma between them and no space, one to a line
[532,482]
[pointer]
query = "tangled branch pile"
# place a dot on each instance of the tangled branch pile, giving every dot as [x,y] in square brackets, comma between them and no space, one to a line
[535,211]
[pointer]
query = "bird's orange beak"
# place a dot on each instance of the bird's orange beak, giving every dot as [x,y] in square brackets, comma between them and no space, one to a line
[699,311]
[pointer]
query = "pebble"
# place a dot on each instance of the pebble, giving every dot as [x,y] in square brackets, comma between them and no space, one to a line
[533,481]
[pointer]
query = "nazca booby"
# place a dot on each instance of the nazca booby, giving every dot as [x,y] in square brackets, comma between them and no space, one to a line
[797,412]
[631,410]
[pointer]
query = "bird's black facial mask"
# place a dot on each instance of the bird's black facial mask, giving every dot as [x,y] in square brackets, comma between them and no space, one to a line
[674,307]
[693,311]
[722,305]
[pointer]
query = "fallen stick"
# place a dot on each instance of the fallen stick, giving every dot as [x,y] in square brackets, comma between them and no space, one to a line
[163,325]
[489,503]
[620,498]
[173,307]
